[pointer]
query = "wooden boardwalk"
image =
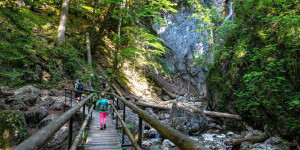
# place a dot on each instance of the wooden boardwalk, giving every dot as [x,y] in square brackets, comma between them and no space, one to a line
[102,139]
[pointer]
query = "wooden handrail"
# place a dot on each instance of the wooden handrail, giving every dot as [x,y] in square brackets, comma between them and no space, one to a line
[40,138]
[178,138]
[78,91]
[79,135]
[127,131]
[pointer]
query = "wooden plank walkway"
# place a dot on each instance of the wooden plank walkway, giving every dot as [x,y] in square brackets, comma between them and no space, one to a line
[102,139]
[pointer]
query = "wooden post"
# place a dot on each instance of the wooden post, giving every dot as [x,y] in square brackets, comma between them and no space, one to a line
[83,110]
[117,121]
[70,132]
[123,133]
[113,109]
[92,100]
[140,131]
[71,98]
[65,100]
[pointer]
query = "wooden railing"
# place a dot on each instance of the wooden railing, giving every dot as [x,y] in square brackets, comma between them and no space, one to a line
[40,138]
[179,139]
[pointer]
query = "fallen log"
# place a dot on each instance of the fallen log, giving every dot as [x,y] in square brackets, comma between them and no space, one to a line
[161,85]
[154,105]
[222,115]
[167,102]
[255,139]
[168,106]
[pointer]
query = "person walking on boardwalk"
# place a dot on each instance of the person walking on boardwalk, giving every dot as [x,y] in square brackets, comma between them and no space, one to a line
[103,105]
[78,87]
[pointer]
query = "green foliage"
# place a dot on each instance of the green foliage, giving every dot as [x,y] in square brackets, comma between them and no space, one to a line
[13,126]
[141,46]
[258,68]
[28,47]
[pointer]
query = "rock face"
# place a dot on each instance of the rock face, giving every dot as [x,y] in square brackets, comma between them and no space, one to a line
[188,120]
[180,36]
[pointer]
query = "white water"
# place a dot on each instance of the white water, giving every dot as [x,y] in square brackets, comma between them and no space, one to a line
[157,138]
[229,17]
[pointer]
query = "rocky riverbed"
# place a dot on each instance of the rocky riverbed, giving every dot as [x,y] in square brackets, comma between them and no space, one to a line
[212,132]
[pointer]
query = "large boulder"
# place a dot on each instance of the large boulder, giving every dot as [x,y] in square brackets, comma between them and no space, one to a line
[28,98]
[273,143]
[47,120]
[151,133]
[54,92]
[35,115]
[28,94]
[168,143]
[58,105]
[31,99]
[4,89]
[146,144]
[188,119]
[4,106]
[28,89]
[18,105]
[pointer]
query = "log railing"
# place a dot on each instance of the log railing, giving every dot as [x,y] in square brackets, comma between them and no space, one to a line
[179,139]
[40,138]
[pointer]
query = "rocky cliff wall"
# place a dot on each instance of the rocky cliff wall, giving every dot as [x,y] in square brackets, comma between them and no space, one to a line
[185,43]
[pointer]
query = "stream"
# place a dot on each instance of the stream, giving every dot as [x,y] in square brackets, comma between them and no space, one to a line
[229,17]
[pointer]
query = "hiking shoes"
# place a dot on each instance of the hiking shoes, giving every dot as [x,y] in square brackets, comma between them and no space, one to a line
[101,128]
[104,126]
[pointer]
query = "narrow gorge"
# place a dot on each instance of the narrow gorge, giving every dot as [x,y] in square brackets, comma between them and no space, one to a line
[223,73]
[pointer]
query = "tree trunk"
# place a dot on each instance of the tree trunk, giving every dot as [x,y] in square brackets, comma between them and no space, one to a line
[116,54]
[63,22]
[88,48]
[89,55]
[255,139]
[222,115]
[161,85]
[167,102]
[154,105]
[94,12]
[103,26]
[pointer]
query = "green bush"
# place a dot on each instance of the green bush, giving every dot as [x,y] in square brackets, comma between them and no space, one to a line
[258,68]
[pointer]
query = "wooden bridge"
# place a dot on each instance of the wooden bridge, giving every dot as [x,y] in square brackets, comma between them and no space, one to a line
[104,139]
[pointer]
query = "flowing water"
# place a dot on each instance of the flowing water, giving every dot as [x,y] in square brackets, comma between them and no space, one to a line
[229,17]
[157,138]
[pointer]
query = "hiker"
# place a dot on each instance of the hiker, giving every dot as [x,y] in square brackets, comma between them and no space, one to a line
[78,87]
[103,105]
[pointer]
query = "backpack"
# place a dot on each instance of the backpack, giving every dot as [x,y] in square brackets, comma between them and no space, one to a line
[80,87]
[103,107]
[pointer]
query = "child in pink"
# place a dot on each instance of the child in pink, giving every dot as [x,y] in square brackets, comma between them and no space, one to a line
[103,104]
